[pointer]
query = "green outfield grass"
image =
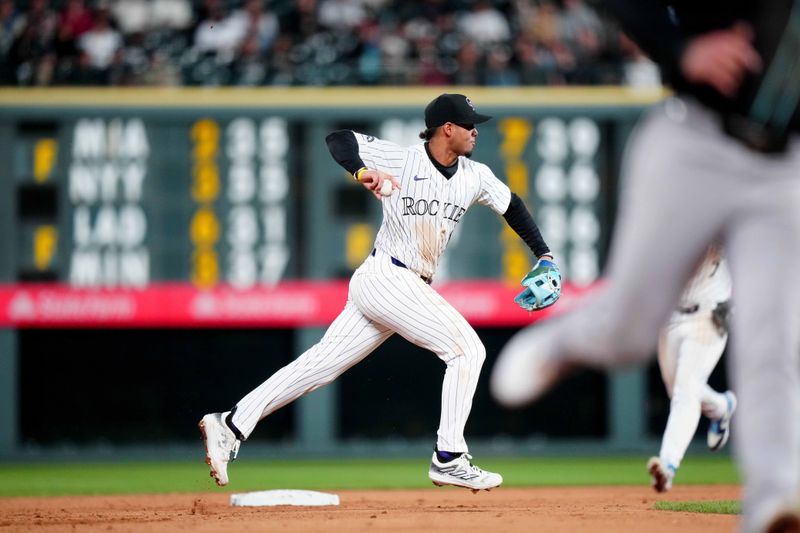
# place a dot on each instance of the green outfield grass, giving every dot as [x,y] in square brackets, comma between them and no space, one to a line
[159,477]
[713,507]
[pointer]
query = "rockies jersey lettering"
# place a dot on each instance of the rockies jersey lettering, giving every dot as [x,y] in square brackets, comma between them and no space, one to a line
[419,219]
[431,207]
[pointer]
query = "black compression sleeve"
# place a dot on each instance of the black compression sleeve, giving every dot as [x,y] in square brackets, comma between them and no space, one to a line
[520,220]
[343,147]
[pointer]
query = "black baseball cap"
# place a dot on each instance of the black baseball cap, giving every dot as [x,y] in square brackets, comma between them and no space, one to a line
[455,108]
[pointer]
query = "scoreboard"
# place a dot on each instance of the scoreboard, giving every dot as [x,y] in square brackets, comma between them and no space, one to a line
[205,200]
[223,207]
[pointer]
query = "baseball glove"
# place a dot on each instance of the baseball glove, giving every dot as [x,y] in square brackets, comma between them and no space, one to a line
[542,286]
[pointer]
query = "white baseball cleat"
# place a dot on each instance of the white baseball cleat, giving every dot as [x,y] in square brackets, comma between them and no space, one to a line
[525,369]
[720,430]
[661,474]
[460,472]
[222,446]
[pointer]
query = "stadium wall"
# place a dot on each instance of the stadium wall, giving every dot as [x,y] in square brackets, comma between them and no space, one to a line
[168,248]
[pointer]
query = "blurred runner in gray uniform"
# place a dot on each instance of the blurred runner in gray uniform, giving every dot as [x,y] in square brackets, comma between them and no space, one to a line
[721,161]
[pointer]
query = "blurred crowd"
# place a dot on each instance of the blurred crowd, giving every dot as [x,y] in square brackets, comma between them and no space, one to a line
[314,42]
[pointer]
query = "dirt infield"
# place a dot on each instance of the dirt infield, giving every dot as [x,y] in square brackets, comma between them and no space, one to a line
[596,509]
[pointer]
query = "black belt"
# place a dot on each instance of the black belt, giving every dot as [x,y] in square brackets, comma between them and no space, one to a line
[689,310]
[399,263]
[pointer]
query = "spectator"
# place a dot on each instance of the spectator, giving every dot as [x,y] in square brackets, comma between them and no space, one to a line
[326,42]
[255,27]
[161,71]
[11,23]
[281,67]
[577,18]
[300,21]
[40,14]
[75,20]
[131,16]
[341,14]
[531,60]
[30,58]
[498,68]
[540,24]
[370,59]
[136,60]
[256,30]
[395,51]
[100,47]
[171,14]
[469,70]
[580,31]
[429,71]
[423,9]
[485,24]
[217,33]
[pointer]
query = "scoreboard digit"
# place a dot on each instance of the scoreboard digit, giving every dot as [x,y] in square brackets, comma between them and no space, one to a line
[204,228]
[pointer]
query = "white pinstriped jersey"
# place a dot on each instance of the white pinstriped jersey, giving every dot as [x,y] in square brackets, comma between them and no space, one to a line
[710,284]
[419,219]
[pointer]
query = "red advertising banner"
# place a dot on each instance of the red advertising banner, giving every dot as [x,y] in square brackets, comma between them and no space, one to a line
[286,305]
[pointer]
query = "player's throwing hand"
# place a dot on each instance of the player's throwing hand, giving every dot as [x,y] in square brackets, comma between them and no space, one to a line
[373,181]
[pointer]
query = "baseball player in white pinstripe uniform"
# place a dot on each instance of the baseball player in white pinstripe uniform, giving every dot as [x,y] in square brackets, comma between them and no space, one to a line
[689,347]
[432,186]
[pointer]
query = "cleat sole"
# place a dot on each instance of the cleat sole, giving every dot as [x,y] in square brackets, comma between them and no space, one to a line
[473,489]
[213,473]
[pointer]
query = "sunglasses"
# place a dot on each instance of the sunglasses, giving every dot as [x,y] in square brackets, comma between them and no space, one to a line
[468,127]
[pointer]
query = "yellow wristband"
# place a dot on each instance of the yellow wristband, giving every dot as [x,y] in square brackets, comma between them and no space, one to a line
[359,172]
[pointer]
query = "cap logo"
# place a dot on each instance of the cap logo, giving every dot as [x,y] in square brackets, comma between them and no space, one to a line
[469,103]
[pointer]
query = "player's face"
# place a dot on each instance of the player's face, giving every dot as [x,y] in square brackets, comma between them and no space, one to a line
[463,138]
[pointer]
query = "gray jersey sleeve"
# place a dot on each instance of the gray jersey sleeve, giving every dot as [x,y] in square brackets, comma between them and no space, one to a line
[493,193]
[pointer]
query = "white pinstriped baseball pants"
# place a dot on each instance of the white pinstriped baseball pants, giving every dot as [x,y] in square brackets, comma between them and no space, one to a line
[689,348]
[383,299]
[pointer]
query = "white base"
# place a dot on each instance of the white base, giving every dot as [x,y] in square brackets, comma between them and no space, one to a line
[283,497]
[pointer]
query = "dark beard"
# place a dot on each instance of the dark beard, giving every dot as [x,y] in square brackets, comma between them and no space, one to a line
[468,154]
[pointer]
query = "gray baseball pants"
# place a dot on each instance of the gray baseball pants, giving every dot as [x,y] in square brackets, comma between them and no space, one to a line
[685,184]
